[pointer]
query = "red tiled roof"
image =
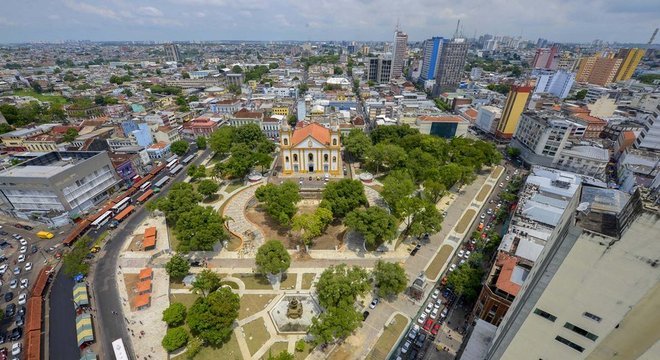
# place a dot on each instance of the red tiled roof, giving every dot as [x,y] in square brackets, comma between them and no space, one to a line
[143,286]
[34,311]
[316,131]
[150,231]
[629,136]
[32,345]
[358,120]
[145,273]
[444,118]
[504,283]
[472,113]
[591,120]
[246,114]
[158,145]
[142,300]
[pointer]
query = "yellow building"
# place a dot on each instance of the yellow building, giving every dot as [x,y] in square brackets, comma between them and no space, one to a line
[311,148]
[515,105]
[281,110]
[630,58]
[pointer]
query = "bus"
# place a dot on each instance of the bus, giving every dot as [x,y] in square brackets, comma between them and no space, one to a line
[159,184]
[121,205]
[135,179]
[145,186]
[102,220]
[124,214]
[120,351]
[172,164]
[188,159]
[146,195]
[176,169]
[171,158]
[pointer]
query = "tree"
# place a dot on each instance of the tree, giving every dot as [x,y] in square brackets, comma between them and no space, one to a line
[424,218]
[465,281]
[178,267]
[221,139]
[175,314]
[391,278]
[375,225]
[384,155]
[434,190]
[194,346]
[181,198]
[272,258]
[284,355]
[450,174]
[74,262]
[206,282]
[312,225]
[397,186]
[185,75]
[70,135]
[207,187]
[336,322]
[581,94]
[199,229]
[341,285]
[5,128]
[234,89]
[175,338]
[357,144]
[292,120]
[342,196]
[280,200]
[513,152]
[179,147]
[211,317]
[237,69]
[337,70]
[127,92]
[201,142]
[273,65]
[197,172]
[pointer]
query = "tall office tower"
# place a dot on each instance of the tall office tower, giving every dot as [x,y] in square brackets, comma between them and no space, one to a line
[515,104]
[557,83]
[599,69]
[546,58]
[379,69]
[451,64]
[399,53]
[630,58]
[593,292]
[432,49]
[172,53]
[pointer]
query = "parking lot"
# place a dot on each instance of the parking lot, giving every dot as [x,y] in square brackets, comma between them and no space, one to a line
[23,254]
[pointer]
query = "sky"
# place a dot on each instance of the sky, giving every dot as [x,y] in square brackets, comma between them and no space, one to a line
[362,20]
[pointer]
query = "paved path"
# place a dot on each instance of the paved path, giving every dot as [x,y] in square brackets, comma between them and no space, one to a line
[238,224]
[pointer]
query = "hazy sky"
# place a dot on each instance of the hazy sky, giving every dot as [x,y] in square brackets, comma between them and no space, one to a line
[166,20]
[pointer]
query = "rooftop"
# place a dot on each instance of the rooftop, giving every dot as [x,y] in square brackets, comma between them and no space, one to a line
[316,131]
[443,118]
[49,164]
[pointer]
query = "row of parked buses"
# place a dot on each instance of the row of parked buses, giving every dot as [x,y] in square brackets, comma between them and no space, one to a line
[122,206]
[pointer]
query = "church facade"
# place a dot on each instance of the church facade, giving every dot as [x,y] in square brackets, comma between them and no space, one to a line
[310,149]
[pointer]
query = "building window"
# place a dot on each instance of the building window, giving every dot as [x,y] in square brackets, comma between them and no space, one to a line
[592,316]
[334,159]
[334,142]
[295,157]
[581,331]
[286,159]
[569,343]
[310,157]
[545,315]
[286,141]
[325,157]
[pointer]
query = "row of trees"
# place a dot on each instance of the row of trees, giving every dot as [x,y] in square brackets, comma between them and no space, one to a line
[32,112]
[197,228]
[248,146]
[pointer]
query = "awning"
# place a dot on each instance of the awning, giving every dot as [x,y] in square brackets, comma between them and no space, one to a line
[84,329]
[80,297]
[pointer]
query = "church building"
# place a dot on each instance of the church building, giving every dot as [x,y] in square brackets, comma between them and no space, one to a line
[311,148]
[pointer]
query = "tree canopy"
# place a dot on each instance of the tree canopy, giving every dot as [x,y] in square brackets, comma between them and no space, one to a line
[342,196]
[175,314]
[356,144]
[341,285]
[272,258]
[336,322]
[199,229]
[74,262]
[207,187]
[466,281]
[375,225]
[177,267]
[248,146]
[312,225]
[175,338]
[391,278]
[211,317]
[279,200]
[179,147]
[206,282]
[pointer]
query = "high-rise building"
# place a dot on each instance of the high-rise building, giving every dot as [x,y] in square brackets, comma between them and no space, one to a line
[379,69]
[451,64]
[649,138]
[431,52]
[599,69]
[546,58]
[399,53]
[630,58]
[172,53]
[593,292]
[515,104]
[557,83]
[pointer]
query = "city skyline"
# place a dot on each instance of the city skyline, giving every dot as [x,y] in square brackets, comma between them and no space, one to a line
[364,20]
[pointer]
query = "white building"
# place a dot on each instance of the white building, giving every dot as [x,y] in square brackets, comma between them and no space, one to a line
[586,160]
[488,117]
[310,149]
[557,83]
[649,138]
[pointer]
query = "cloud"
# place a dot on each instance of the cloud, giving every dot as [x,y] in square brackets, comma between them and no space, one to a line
[92,9]
[149,11]
[6,22]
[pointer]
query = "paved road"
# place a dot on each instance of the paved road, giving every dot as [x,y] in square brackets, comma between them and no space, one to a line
[62,318]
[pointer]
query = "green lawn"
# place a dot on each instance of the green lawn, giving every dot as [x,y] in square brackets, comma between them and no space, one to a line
[228,351]
[388,338]
[53,99]
[289,283]
[254,281]
[185,299]
[276,348]
[465,221]
[231,284]
[438,261]
[301,355]
[233,186]
[253,303]
[256,334]
[307,280]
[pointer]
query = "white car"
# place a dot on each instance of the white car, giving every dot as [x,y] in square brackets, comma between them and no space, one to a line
[489,211]
[23,242]
[508,178]
[483,216]
[22,299]
[435,294]
[452,267]
[438,304]
[21,258]
[23,249]
[499,205]
[434,313]
[422,318]
[3,268]
[444,312]
[24,283]
[406,347]
[429,307]
[16,349]
[17,270]
[461,262]
[373,304]
[501,185]
[28,266]
[467,254]
[461,253]
[13,284]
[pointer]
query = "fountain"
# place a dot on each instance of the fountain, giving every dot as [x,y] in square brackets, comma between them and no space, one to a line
[293,313]
[295,310]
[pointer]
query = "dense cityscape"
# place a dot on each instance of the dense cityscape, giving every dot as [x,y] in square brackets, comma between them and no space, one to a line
[462,196]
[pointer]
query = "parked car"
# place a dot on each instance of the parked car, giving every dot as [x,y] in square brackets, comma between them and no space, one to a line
[373,304]
[28,227]
[22,299]
[23,249]
[3,233]
[20,320]
[413,332]
[406,347]
[444,312]
[419,342]
[21,310]
[34,249]
[10,310]
[422,318]
[28,266]
[21,258]
[17,270]
[429,307]
[365,315]
[434,313]
[3,268]
[461,253]
[435,329]
[19,226]
[16,349]
[452,267]
[435,294]
[16,333]
[13,284]
[9,296]
[23,242]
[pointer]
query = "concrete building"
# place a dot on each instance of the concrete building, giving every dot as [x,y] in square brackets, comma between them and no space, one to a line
[593,293]
[172,53]
[475,73]
[515,104]
[488,117]
[235,79]
[445,126]
[637,167]
[158,150]
[199,127]
[557,83]
[649,138]
[598,69]
[63,182]
[166,134]
[546,58]
[431,52]
[399,54]
[311,148]
[630,59]
[451,64]
[586,160]
[379,69]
